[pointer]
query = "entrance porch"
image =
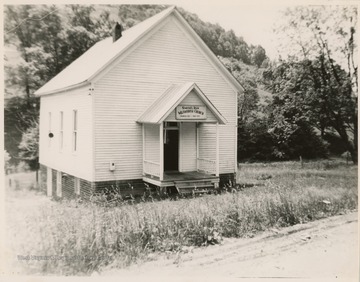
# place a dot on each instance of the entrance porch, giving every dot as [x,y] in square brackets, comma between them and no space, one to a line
[190,155]
[171,178]
[185,182]
[180,139]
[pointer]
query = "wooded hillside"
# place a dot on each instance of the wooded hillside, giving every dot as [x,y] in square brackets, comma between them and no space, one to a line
[311,112]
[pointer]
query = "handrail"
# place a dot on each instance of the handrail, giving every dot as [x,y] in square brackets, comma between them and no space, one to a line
[151,168]
[206,165]
[151,162]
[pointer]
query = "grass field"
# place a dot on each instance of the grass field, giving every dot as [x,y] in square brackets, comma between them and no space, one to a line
[79,238]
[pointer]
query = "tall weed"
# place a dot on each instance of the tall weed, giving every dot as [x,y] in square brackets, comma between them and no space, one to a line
[87,237]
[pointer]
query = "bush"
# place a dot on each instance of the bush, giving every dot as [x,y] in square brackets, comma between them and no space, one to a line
[256,143]
[336,145]
[306,143]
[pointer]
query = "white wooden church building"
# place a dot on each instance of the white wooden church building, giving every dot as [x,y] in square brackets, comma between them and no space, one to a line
[150,104]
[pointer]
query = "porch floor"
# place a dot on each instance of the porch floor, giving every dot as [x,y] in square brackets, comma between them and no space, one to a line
[170,177]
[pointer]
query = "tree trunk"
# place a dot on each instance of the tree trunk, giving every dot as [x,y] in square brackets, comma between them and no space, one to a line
[350,146]
[354,155]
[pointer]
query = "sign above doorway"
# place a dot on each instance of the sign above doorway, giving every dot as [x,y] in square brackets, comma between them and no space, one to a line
[190,112]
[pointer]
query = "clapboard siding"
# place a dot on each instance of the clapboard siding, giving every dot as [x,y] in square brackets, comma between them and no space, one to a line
[227,148]
[207,141]
[136,81]
[192,99]
[188,146]
[152,144]
[79,163]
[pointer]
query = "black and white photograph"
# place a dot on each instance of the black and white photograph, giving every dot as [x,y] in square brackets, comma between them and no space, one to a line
[185,139]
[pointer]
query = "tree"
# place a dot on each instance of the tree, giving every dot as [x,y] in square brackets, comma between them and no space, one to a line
[29,146]
[47,38]
[258,56]
[36,32]
[303,97]
[254,140]
[131,15]
[321,75]
[19,115]
[82,30]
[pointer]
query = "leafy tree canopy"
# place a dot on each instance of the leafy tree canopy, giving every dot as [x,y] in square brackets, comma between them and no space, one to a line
[318,83]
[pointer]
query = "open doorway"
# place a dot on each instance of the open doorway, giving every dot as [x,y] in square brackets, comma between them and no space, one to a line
[171,148]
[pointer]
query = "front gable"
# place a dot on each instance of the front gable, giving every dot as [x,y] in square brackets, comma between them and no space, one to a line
[193,100]
[182,102]
[168,20]
[169,55]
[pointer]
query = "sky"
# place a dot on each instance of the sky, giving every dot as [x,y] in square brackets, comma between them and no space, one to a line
[253,22]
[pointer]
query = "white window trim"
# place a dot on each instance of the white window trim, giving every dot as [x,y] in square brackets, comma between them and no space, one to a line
[75,125]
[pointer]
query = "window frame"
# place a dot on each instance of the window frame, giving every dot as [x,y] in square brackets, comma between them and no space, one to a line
[75,131]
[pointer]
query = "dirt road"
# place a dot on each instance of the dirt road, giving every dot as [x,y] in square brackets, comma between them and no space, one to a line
[324,249]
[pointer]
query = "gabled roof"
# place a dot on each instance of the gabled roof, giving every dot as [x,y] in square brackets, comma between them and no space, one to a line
[84,69]
[171,98]
[99,56]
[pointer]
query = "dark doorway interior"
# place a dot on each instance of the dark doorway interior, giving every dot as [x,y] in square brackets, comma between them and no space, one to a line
[171,150]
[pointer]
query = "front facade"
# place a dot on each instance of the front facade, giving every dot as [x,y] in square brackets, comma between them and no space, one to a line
[154,106]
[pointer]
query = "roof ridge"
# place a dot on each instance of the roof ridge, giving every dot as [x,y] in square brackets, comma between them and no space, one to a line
[84,75]
[102,54]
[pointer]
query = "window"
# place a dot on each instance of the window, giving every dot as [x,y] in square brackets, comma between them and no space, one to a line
[49,130]
[171,125]
[167,127]
[61,134]
[77,186]
[75,126]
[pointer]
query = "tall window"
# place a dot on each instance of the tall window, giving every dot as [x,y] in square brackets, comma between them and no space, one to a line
[75,127]
[49,129]
[61,135]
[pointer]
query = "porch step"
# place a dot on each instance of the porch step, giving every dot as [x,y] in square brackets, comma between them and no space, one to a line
[193,186]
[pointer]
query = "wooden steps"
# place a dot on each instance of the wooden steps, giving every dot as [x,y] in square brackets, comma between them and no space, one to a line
[193,186]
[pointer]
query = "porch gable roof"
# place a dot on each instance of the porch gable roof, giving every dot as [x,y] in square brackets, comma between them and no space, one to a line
[171,98]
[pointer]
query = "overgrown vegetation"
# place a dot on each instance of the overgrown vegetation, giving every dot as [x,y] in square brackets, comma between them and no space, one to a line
[83,237]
